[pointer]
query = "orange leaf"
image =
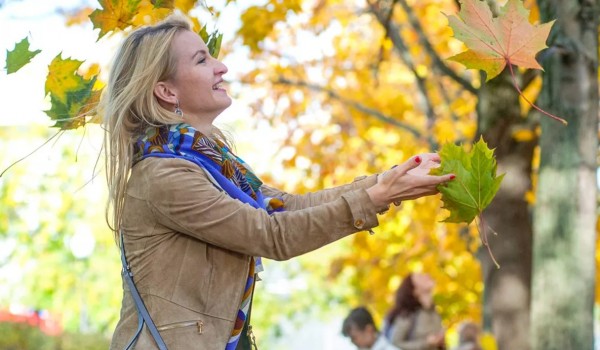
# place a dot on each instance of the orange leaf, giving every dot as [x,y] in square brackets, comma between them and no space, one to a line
[494,42]
[115,14]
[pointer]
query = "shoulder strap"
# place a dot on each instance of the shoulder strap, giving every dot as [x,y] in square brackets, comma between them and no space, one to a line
[143,314]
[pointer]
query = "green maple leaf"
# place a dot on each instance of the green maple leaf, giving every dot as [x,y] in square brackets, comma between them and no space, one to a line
[19,56]
[70,93]
[475,184]
[62,77]
[67,113]
[495,42]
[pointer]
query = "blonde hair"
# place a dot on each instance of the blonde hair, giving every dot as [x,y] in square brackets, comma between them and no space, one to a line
[128,104]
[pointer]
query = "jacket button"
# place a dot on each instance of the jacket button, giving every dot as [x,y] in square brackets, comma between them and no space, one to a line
[359,223]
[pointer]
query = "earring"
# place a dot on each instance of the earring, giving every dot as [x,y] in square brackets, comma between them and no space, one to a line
[178,110]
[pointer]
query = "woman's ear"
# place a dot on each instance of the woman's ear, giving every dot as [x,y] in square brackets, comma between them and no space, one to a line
[164,93]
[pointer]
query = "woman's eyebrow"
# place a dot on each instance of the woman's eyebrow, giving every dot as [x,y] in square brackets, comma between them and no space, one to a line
[203,52]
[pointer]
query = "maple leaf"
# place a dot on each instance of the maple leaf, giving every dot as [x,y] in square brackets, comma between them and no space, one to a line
[70,93]
[19,56]
[495,42]
[63,77]
[70,113]
[149,13]
[186,6]
[474,187]
[475,184]
[114,14]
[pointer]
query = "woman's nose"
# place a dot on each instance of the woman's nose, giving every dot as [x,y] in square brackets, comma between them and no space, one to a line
[220,68]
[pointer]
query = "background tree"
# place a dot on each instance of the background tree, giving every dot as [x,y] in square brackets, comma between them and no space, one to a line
[565,212]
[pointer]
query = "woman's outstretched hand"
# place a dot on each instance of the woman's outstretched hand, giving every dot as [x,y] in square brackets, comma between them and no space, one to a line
[409,180]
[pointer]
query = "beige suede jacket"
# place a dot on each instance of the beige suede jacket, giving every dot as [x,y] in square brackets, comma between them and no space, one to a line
[189,246]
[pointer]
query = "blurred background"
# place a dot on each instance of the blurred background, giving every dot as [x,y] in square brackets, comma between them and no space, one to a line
[324,91]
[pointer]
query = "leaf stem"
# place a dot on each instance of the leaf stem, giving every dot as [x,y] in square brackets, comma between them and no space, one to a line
[484,240]
[512,74]
[32,152]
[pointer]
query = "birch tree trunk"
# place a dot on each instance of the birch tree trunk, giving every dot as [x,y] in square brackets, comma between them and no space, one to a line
[565,212]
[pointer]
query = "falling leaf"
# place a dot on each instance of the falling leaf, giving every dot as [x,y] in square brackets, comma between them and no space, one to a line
[19,56]
[114,14]
[147,13]
[70,113]
[63,77]
[495,42]
[71,94]
[475,184]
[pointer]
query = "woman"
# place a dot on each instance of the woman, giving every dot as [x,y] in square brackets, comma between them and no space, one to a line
[413,323]
[191,217]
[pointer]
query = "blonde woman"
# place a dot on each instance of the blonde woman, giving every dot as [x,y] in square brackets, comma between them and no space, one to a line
[190,216]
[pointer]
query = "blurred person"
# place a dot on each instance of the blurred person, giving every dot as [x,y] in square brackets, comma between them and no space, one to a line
[468,337]
[413,323]
[360,328]
[191,218]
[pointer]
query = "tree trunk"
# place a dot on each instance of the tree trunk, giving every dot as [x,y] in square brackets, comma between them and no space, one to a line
[507,290]
[565,213]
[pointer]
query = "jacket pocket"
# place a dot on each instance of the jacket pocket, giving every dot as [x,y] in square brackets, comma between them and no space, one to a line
[183,324]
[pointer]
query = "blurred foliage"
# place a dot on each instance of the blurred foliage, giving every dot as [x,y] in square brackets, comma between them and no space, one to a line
[17,336]
[58,254]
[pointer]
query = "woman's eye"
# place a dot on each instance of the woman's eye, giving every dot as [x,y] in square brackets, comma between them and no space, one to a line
[202,60]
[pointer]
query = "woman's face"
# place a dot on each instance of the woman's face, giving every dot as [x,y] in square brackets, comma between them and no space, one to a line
[423,283]
[198,81]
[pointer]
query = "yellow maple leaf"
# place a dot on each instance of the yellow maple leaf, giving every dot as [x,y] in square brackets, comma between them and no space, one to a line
[185,5]
[62,77]
[148,13]
[114,14]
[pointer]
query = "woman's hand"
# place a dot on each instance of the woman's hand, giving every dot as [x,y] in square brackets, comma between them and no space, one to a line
[409,180]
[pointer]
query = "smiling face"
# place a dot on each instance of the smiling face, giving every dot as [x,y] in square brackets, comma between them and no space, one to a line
[197,84]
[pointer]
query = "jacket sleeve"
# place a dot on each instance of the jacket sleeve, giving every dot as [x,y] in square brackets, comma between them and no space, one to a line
[182,198]
[295,202]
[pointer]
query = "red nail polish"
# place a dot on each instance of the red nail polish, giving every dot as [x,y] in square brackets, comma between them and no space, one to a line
[418,159]
[452,177]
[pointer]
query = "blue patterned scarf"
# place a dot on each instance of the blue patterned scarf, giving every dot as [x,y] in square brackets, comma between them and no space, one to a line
[231,173]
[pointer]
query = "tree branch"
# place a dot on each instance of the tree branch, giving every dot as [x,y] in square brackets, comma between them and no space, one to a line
[400,46]
[354,104]
[438,62]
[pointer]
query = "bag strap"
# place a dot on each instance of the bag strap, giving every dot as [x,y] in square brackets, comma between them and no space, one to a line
[143,315]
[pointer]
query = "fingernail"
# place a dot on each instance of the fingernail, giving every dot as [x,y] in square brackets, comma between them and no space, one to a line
[452,177]
[418,159]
